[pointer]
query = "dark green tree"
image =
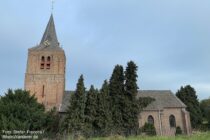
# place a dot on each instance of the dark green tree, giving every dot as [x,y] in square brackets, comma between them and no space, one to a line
[188,96]
[53,122]
[144,102]
[116,90]
[131,87]
[75,117]
[21,111]
[90,110]
[104,114]
[205,108]
[131,108]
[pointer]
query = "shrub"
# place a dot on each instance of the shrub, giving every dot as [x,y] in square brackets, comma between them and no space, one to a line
[21,111]
[178,130]
[149,129]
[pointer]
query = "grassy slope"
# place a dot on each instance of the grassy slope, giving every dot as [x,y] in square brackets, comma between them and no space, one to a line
[197,136]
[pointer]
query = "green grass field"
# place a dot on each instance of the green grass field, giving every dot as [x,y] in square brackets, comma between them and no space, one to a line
[196,136]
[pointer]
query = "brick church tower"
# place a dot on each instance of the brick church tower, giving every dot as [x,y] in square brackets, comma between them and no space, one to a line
[45,72]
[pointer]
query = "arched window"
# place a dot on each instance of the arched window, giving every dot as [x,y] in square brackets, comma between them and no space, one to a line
[172,121]
[48,58]
[42,62]
[48,62]
[150,119]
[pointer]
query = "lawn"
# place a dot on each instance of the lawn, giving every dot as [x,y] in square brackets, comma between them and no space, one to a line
[196,136]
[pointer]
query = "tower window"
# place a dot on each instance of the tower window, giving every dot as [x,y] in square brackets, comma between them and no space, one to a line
[48,62]
[43,59]
[42,62]
[43,91]
[48,58]
[48,66]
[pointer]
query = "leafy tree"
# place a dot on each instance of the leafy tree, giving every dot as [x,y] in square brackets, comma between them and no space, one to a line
[131,108]
[116,91]
[188,96]
[21,111]
[75,117]
[104,114]
[90,110]
[205,108]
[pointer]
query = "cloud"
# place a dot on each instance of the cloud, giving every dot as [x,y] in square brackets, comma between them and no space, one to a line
[169,40]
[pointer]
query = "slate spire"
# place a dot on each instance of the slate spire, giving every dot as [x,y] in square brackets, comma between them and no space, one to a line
[50,36]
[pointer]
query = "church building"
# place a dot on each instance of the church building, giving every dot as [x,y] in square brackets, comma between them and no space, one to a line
[45,78]
[166,113]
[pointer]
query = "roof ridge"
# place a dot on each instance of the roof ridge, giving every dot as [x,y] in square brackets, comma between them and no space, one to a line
[178,99]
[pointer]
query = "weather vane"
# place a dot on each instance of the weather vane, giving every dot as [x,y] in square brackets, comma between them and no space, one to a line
[52,5]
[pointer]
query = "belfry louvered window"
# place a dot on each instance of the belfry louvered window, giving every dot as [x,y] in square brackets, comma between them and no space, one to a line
[42,62]
[48,62]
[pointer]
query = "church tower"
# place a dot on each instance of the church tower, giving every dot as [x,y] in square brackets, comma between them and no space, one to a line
[45,72]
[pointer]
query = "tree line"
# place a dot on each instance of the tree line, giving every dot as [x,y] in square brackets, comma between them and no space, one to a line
[113,109]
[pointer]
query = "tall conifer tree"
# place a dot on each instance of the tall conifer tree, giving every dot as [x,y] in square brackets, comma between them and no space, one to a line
[131,108]
[104,114]
[75,118]
[116,90]
[90,110]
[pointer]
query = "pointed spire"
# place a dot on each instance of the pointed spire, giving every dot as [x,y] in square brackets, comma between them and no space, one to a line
[50,34]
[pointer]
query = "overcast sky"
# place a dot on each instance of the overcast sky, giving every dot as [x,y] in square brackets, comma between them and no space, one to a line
[169,40]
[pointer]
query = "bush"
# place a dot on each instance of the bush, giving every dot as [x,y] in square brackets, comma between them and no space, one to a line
[204,127]
[149,129]
[178,130]
[21,111]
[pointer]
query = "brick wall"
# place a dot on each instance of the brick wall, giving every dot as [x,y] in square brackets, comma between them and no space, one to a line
[161,120]
[47,84]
